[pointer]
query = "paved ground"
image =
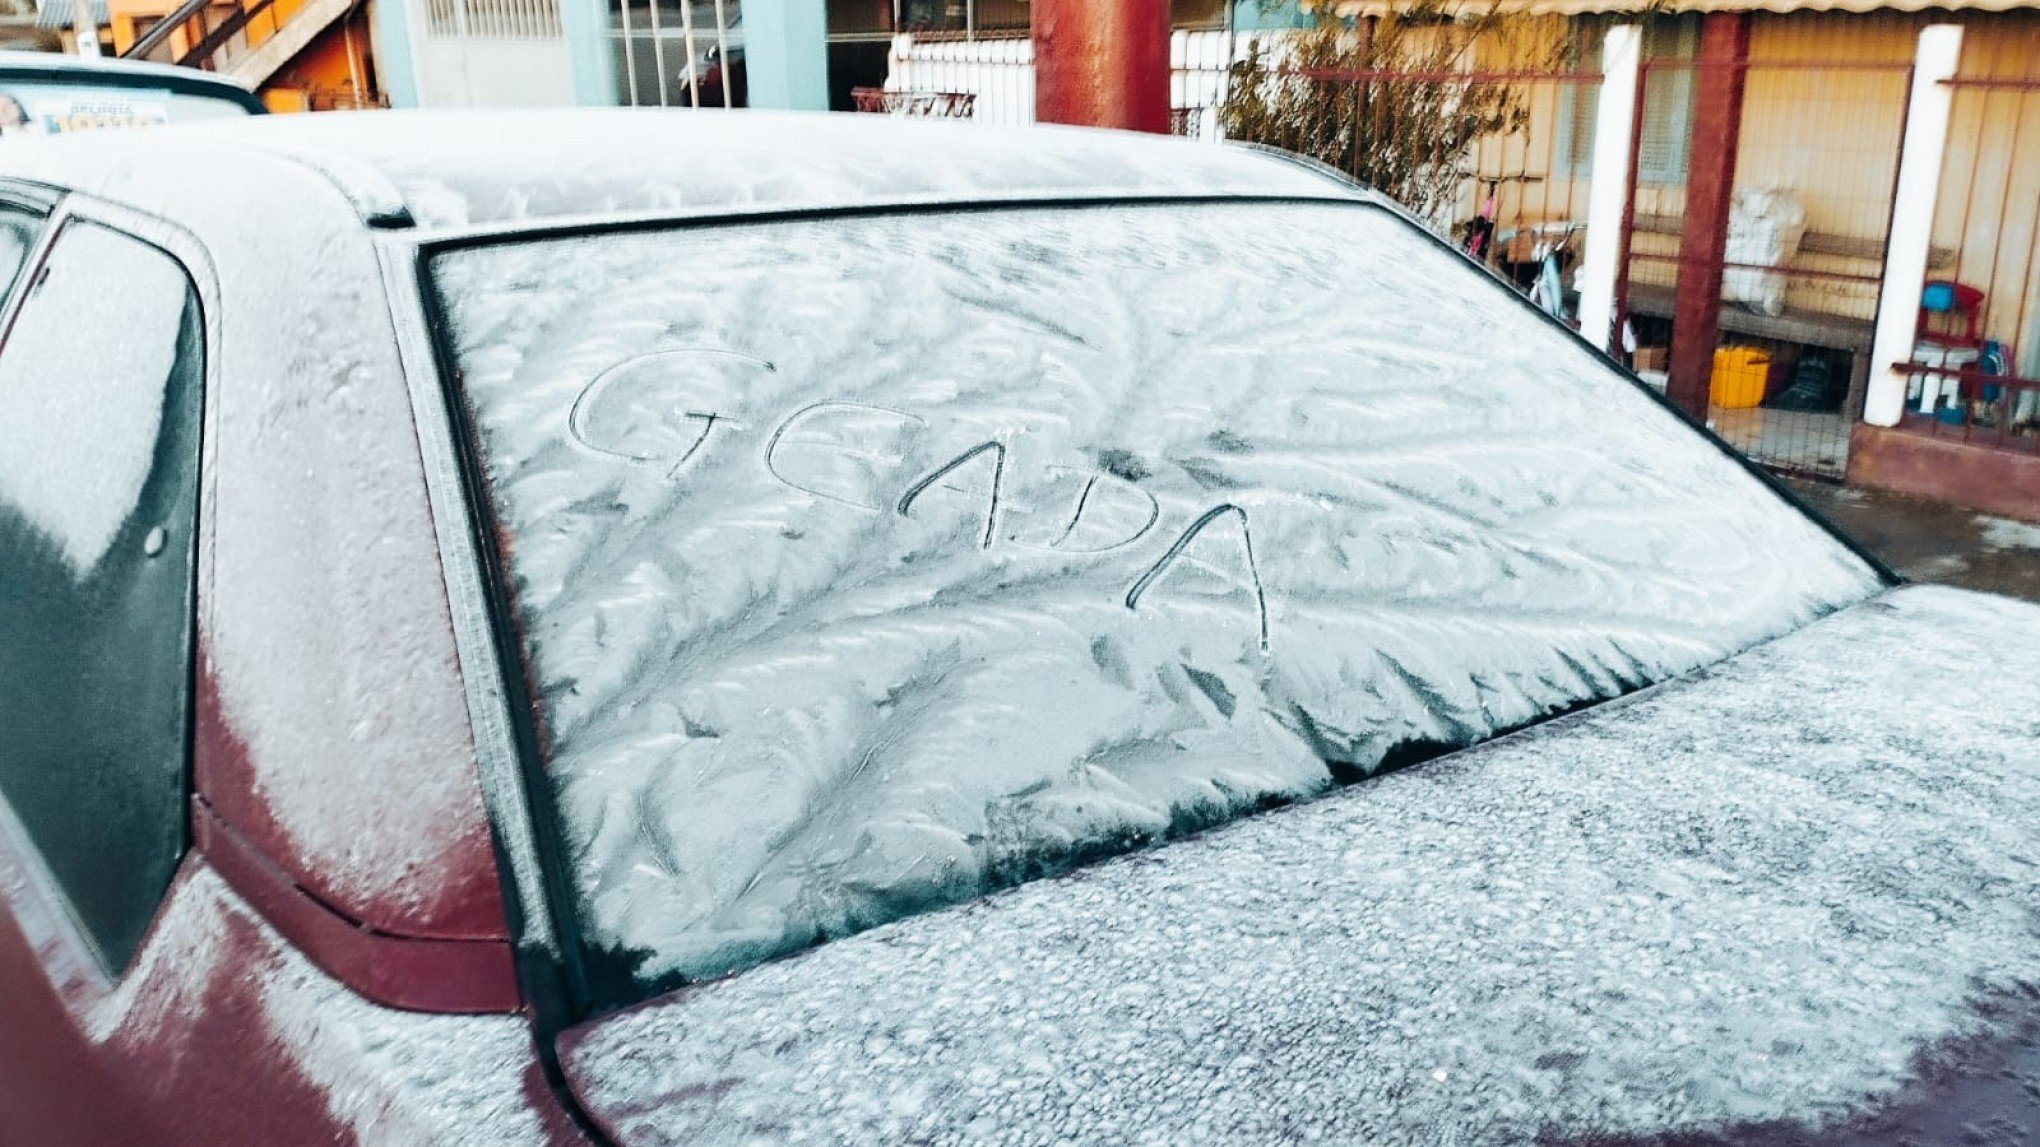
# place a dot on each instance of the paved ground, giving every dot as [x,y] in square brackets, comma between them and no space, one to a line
[1932,542]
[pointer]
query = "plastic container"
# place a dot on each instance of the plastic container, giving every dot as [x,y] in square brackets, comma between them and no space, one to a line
[1930,394]
[1741,374]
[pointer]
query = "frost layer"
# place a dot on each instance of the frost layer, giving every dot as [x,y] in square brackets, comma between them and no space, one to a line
[867,564]
[1755,896]
[65,403]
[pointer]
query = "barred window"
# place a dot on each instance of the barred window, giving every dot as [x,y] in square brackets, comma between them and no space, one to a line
[493,19]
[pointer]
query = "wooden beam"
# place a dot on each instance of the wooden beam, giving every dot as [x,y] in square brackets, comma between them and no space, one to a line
[1718,76]
[1810,243]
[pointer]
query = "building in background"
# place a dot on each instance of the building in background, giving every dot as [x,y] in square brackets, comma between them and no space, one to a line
[298,55]
[1805,114]
[55,29]
[1766,166]
[1767,152]
[811,54]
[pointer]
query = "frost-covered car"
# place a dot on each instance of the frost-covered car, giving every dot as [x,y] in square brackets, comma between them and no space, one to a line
[701,628]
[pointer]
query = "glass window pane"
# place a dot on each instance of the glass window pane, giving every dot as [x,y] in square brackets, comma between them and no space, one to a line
[860,17]
[100,381]
[18,232]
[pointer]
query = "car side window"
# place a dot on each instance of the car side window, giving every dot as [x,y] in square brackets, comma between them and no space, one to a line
[18,231]
[100,393]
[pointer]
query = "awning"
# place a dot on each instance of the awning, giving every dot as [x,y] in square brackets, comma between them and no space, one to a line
[56,14]
[1640,7]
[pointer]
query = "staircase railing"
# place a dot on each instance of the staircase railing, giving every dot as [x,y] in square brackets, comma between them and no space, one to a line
[160,34]
[201,53]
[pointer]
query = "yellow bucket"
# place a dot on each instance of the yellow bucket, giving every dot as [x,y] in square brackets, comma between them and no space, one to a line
[1740,376]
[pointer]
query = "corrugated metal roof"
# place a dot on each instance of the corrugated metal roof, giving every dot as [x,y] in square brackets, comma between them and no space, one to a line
[56,14]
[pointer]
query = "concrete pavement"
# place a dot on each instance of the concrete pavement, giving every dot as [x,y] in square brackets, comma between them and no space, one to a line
[1933,542]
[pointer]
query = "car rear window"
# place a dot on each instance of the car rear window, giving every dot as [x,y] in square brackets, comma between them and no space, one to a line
[869,563]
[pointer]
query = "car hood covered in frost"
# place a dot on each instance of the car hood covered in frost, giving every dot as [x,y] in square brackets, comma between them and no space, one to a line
[1791,901]
[869,563]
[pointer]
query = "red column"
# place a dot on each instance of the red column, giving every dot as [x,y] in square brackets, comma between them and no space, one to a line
[1102,63]
[1710,178]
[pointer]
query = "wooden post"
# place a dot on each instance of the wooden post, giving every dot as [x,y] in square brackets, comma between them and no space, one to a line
[1710,181]
[1102,63]
[1614,117]
[1912,221]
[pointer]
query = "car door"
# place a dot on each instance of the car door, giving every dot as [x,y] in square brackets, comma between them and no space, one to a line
[102,379]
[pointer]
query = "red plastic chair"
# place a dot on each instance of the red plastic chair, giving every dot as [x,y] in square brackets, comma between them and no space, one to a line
[1951,314]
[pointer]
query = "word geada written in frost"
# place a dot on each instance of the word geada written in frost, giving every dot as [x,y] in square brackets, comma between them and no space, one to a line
[672,409]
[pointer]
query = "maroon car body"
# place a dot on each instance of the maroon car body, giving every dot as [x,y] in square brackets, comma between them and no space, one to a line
[349,927]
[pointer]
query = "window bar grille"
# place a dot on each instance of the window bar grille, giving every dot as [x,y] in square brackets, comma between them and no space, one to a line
[722,40]
[629,50]
[659,50]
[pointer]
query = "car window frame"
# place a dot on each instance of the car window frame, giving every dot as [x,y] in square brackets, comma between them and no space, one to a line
[70,956]
[197,84]
[540,888]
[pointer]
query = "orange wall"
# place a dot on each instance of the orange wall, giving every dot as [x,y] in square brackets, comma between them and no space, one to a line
[334,70]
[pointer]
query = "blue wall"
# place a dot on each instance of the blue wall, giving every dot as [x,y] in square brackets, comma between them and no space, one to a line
[590,51]
[394,69]
[786,54]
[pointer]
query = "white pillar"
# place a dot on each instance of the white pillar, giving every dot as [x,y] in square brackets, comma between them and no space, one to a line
[86,27]
[1912,221]
[1614,116]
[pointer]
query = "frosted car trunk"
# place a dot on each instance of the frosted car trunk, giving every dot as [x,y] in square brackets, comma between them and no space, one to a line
[867,563]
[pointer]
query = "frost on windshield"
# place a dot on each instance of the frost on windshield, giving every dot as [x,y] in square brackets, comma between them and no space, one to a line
[867,564]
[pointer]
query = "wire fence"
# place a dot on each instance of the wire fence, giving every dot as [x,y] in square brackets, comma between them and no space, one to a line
[1800,263]
[996,74]
[1800,266]
[1974,375]
[677,53]
[1513,197]
[1201,69]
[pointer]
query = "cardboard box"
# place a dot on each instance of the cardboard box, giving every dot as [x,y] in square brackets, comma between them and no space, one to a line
[1655,359]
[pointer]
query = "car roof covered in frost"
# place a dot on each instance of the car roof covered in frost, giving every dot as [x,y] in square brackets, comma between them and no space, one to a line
[318,496]
[1787,901]
[458,169]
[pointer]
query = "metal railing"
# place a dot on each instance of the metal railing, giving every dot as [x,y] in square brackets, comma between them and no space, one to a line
[924,105]
[493,19]
[1799,267]
[1976,374]
[679,53]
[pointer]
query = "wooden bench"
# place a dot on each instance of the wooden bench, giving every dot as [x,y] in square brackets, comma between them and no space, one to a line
[1806,328]
[1796,325]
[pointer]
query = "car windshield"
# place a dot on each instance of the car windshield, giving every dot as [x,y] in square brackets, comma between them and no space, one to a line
[871,562]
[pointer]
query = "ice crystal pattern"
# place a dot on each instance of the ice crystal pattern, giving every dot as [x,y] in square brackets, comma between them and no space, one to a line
[866,564]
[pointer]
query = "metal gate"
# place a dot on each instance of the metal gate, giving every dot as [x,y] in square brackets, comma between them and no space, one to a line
[679,53]
[1788,234]
[1977,372]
